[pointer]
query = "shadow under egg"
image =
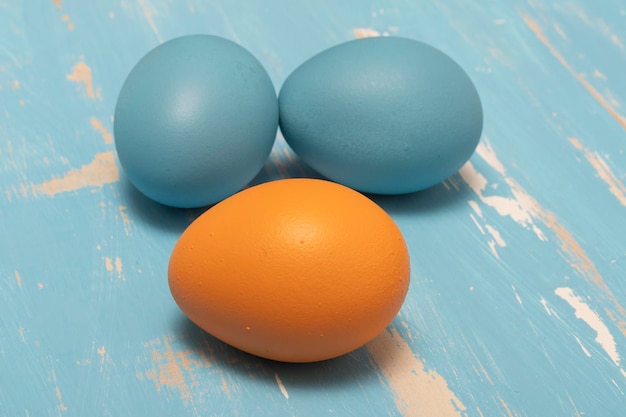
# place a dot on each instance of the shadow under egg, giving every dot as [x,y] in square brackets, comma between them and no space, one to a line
[156,215]
[354,368]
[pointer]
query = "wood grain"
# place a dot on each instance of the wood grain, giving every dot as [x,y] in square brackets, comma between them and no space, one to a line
[517,305]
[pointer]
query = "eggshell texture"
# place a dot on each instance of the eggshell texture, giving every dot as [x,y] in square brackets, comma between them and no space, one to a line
[382,115]
[195,121]
[295,270]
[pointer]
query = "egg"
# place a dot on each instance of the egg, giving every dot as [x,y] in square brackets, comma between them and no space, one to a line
[195,121]
[384,115]
[294,270]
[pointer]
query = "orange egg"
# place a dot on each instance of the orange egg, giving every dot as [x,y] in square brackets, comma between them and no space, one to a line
[295,270]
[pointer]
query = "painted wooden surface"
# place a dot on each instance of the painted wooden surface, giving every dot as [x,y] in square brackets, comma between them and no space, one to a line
[518,298]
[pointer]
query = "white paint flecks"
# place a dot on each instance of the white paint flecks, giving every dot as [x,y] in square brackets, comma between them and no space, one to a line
[125,219]
[492,247]
[478,226]
[539,233]
[596,23]
[598,74]
[168,371]
[147,14]
[584,349]
[582,311]
[616,187]
[108,264]
[21,332]
[281,386]
[81,73]
[474,205]
[545,305]
[102,353]
[520,207]
[102,170]
[517,296]
[536,29]
[496,240]
[176,369]
[66,18]
[417,392]
[62,405]
[114,265]
[361,33]
[496,235]
[558,29]
[99,127]
[118,266]
[486,152]
[526,211]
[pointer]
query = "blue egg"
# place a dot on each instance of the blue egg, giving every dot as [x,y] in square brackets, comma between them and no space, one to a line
[382,115]
[195,121]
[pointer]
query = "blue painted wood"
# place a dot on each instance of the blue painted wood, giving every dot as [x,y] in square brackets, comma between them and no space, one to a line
[518,296]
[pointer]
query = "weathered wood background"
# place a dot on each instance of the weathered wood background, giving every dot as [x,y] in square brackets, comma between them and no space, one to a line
[518,298]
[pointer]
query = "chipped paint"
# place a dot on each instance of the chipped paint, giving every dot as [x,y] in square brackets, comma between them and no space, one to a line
[102,170]
[99,127]
[177,369]
[506,408]
[114,265]
[571,401]
[118,268]
[598,24]
[547,307]
[584,349]
[21,332]
[558,29]
[495,241]
[102,353]
[486,152]
[598,74]
[361,33]
[59,396]
[474,205]
[536,29]
[53,126]
[418,392]
[616,187]
[281,386]
[583,312]
[125,219]
[520,207]
[478,226]
[616,41]
[66,18]
[148,15]
[108,264]
[580,262]
[526,211]
[82,74]
[517,296]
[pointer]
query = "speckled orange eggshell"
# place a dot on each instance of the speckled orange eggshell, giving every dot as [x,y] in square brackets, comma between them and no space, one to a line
[295,270]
